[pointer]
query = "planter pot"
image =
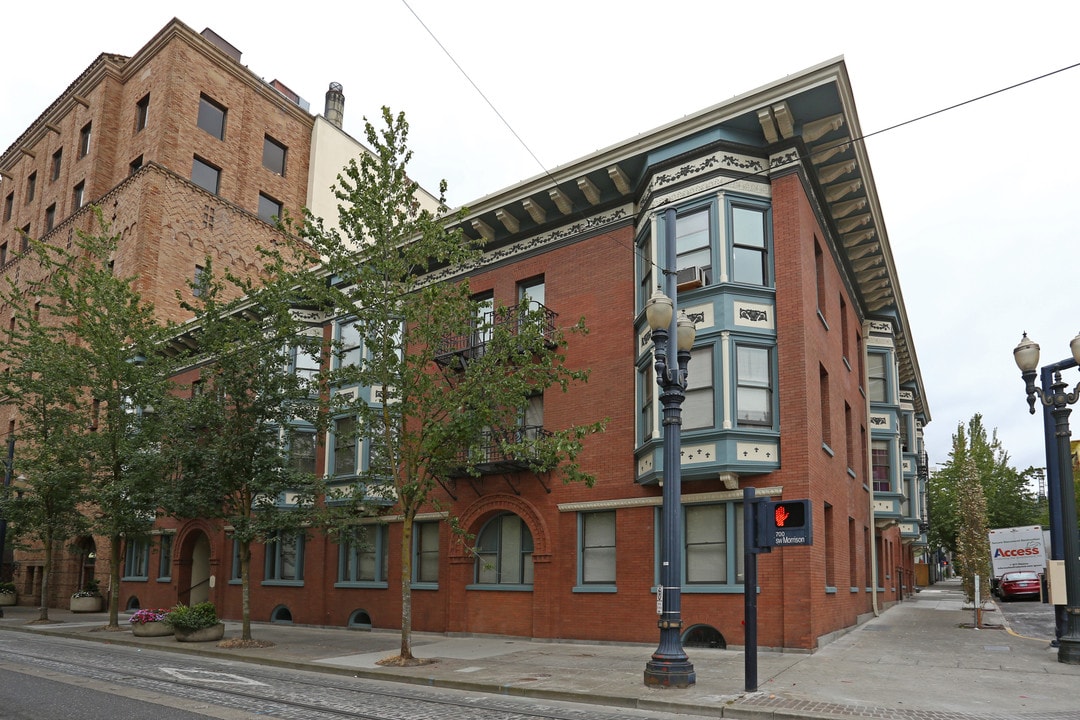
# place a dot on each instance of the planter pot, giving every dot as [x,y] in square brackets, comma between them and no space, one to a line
[207,634]
[87,604]
[7,599]
[151,629]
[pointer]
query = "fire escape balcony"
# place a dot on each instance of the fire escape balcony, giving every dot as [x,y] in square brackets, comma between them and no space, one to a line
[456,351]
[500,451]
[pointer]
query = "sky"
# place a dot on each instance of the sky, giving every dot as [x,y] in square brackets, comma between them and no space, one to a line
[979,201]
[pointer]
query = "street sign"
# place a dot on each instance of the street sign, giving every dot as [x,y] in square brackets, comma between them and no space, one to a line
[784,522]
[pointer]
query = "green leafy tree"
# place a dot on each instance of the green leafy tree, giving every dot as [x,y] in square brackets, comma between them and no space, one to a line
[49,469]
[1010,502]
[116,338]
[423,416]
[972,541]
[242,421]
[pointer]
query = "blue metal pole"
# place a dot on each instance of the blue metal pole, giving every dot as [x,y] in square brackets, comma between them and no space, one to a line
[669,666]
[1054,484]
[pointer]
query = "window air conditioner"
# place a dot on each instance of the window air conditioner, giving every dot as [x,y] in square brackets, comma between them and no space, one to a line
[689,278]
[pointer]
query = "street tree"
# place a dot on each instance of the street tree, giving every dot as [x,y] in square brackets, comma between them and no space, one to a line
[250,423]
[1010,502]
[972,540]
[430,413]
[96,333]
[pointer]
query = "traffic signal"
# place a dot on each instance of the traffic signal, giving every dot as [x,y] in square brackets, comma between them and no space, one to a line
[784,522]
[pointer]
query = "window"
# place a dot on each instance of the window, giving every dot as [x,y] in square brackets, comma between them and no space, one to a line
[269,208]
[876,377]
[234,575]
[57,162]
[25,238]
[853,565]
[31,187]
[78,196]
[205,175]
[135,165]
[50,217]
[699,409]
[648,390]
[844,341]
[345,446]
[84,141]
[302,449]
[3,259]
[713,536]
[819,276]
[504,552]
[823,404]
[165,557]
[753,395]
[198,281]
[141,109]
[830,549]
[9,205]
[211,117]
[482,325]
[692,248]
[426,552]
[285,557]
[879,459]
[273,155]
[849,436]
[597,555]
[136,559]
[532,290]
[748,246]
[364,554]
[306,364]
[348,351]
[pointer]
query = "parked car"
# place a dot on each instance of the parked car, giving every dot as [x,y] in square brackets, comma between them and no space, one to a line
[1023,584]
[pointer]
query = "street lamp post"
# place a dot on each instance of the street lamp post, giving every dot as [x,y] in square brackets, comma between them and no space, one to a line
[1058,400]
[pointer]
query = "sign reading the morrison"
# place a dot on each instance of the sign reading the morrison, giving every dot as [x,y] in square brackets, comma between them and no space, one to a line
[1017,548]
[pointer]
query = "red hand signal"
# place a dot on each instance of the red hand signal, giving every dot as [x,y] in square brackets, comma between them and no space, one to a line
[781,515]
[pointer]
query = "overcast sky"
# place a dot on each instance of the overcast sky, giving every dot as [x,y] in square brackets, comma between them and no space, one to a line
[980,202]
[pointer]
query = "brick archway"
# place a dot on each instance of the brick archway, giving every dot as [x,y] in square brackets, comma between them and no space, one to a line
[476,514]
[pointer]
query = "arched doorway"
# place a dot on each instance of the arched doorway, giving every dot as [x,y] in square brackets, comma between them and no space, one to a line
[85,552]
[193,578]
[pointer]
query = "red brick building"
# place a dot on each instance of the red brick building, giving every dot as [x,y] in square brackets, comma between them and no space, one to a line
[804,382]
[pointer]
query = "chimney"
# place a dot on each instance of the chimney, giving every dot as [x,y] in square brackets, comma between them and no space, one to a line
[335,105]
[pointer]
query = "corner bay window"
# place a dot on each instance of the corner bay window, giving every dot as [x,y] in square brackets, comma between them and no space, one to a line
[876,377]
[748,253]
[345,443]
[879,460]
[754,385]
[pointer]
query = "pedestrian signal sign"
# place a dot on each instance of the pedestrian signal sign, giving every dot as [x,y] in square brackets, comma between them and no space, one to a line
[785,522]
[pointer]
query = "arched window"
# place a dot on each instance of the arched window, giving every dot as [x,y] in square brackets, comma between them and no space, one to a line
[504,552]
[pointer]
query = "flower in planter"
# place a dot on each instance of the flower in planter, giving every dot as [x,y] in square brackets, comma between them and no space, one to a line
[196,617]
[7,588]
[148,615]
[90,589]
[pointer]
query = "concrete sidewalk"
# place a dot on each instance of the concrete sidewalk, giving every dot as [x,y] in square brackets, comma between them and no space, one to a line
[920,659]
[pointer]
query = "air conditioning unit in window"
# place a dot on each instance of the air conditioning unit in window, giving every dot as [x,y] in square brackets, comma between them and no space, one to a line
[689,278]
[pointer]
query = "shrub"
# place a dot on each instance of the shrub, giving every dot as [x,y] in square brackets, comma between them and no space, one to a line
[7,588]
[196,617]
[90,589]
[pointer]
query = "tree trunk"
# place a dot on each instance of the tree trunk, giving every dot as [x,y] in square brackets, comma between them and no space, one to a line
[245,589]
[406,587]
[114,583]
[46,570]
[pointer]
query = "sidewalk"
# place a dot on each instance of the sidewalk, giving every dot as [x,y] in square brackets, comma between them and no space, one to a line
[920,659]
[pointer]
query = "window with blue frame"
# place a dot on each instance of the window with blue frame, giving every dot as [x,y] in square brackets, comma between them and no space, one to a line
[753,386]
[647,384]
[426,553]
[136,559]
[234,574]
[749,247]
[713,545]
[349,347]
[699,405]
[877,377]
[693,248]
[302,446]
[284,558]
[306,364]
[596,548]
[363,556]
[504,548]
[345,444]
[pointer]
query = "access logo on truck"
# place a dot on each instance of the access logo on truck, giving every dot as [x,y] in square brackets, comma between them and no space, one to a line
[1017,548]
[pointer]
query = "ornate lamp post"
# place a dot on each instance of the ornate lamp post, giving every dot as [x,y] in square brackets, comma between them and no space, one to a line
[669,666]
[1058,400]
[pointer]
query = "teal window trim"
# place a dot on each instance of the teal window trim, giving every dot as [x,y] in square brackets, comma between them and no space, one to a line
[500,588]
[584,552]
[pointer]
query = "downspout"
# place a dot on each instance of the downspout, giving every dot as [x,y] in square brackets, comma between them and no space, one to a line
[867,474]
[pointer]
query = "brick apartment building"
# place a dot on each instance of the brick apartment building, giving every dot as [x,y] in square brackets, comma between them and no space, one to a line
[804,381]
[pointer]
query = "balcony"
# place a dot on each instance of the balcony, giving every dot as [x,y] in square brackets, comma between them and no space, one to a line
[501,451]
[456,351]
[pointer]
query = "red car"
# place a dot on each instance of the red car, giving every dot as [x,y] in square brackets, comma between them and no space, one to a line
[1023,584]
